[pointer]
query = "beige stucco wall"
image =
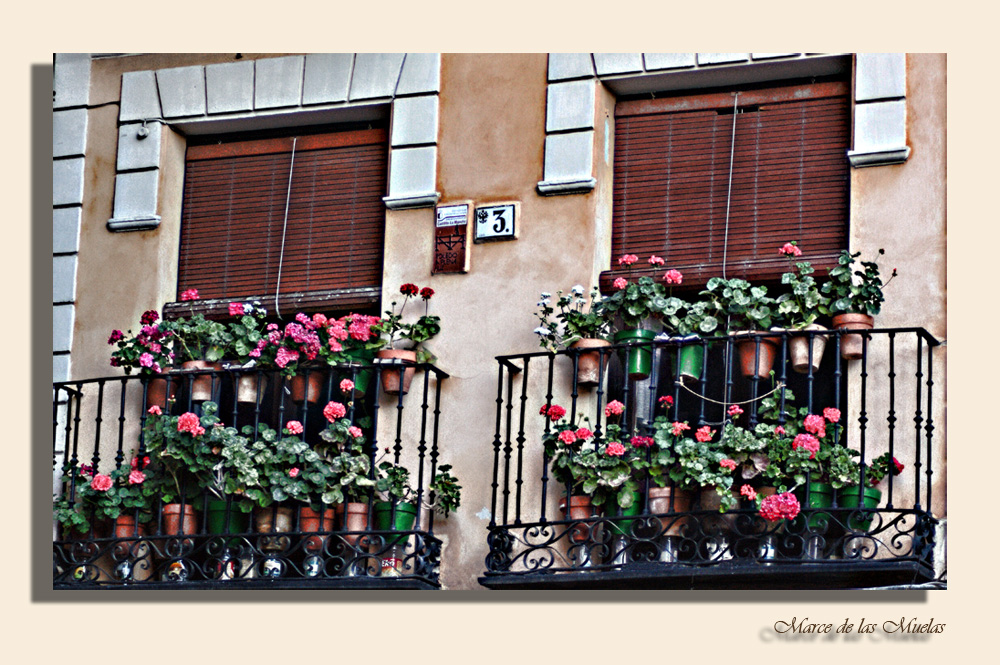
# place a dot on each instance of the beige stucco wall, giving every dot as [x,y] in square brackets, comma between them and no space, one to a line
[902,208]
[491,138]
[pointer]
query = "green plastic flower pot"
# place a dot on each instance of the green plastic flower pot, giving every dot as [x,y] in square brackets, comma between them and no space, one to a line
[618,525]
[638,361]
[820,496]
[406,515]
[363,377]
[692,360]
[849,498]
[238,522]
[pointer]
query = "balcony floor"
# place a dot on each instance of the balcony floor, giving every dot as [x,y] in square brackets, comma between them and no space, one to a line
[805,576]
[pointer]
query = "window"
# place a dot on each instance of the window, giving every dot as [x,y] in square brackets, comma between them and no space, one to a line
[790,179]
[237,244]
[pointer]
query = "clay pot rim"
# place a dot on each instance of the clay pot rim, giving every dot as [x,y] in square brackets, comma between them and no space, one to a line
[866,320]
[589,343]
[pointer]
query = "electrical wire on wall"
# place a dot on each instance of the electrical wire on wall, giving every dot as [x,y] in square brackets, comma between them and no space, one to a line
[284,229]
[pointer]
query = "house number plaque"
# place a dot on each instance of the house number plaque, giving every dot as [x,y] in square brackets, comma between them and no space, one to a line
[451,238]
[496,222]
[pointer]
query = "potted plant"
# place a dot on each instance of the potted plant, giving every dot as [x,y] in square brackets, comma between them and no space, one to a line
[870,496]
[747,309]
[298,348]
[183,459]
[695,319]
[349,343]
[394,333]
[73,510]
[251,349]
[352,469]
[597,471]
[855,297]
[149,353]
[692,463]
[635,302]
[571,323]
[199,344]
[124,499]
[800,307]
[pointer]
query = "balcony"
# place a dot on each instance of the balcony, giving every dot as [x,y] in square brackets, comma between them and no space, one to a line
[207,539]
[880,405]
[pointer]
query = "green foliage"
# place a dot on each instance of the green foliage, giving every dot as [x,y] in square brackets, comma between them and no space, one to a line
[801,306]
[246,332]
[185,461]
[690,464]
[852,290]
[447,491]
[571,319]
[394,484]
[639,300]
[747,307]
[198,338]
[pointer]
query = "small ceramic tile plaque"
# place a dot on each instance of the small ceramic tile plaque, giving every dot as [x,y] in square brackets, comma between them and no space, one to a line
[451,237]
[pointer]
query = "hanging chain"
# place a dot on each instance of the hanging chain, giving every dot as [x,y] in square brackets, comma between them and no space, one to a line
[749,401]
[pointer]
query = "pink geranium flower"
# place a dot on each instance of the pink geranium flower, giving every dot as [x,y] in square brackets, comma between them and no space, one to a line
[673,277]
[556,412]
[677,428]
[190,294]
[583,434]
[728,464]
[334,410]
[285,356]
[734,410]
[807,441]
[627,259]
[294,427]
[155,411]
[779,430]
[355,431]
[146,360]
[748,492]
[620,283]
[567,436]
[666,401]
[788,249]
[779,506]
[346,386]
[136,477]
[101,483]
[655,261]
[116,336]
[615,449]
[704,434]
[614,408]
[190,422]
[642,441]
[831,414]
[294,471]
[815,425]
[235,309]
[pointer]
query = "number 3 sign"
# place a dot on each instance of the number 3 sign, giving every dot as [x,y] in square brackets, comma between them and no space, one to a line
[496,222]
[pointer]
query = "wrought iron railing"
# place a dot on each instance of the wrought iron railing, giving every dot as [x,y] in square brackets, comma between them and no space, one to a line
[681,539]
[100,423]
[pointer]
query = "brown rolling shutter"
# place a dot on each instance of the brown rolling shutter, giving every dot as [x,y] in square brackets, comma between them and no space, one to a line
[790,180]
[234,209]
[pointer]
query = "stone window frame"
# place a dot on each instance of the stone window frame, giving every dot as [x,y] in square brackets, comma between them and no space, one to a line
[879,113]
[283,91]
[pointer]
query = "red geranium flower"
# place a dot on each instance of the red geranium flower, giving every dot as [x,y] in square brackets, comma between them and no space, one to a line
[409,289]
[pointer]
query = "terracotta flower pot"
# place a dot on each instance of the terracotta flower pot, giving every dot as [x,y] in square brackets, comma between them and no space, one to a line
[202,386]
[156,392]
[126,527]
[307,386]
[273,520]
[852,345]
[312,520]
[580,508]
[660,504]
[390,377]
[250,386]
[798,349]
[176,522]
[588,369]
[754,362]
[355,521]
